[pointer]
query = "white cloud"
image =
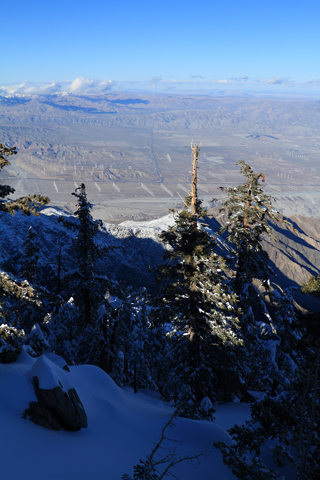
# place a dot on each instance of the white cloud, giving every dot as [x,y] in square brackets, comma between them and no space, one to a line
[105,85]
[87,85]
[84,85]
[79,85]
[22,88]
[28,88]
[53,87]
[274,81]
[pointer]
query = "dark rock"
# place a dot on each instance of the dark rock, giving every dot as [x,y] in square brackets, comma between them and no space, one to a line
[43,416]
[74,397]
[57,409]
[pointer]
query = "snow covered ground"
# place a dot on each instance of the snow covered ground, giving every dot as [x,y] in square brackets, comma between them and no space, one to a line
[122,428]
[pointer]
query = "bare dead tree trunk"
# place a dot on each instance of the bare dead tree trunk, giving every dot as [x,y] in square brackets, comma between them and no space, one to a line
[194,340]
[194,194]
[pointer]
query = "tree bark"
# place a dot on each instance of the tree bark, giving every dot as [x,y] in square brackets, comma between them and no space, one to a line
[194,193]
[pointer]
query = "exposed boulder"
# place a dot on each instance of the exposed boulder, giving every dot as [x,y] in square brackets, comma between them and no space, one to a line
[57,406]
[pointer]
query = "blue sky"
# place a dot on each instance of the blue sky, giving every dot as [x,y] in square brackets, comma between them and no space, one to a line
[161,45]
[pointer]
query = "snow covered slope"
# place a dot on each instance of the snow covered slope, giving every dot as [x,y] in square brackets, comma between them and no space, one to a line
[134,249]
[122,427]
[136,246]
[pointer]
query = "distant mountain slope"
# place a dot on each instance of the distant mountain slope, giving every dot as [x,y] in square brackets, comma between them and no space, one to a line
[295,256]
[168,112]
[133,250]
[136,246]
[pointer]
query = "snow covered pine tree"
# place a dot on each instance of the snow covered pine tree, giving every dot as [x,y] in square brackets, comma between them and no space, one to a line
[248,210]
[30,256]
[196,300]
[27,205]
[79,318]
[87,253]
[13,302]
[282,438]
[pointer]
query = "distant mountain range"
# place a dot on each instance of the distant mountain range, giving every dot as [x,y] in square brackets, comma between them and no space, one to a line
[174,112]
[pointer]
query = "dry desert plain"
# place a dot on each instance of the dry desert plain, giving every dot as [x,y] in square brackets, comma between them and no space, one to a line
[133,152]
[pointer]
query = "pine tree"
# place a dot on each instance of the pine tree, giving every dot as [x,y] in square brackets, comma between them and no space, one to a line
[114,319]
[312,286]
[29,264]
[290,333]
[286,426]
[27,205]
[197,302]
[19,304]
[36,341]
[249,209]
[137,354]
[78,326]
[64,332]
[11,343]
[126,335]
[87,252]
[21,307]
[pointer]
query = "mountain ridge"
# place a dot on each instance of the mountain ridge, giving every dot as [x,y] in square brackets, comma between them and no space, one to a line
[136,247]
[197,112]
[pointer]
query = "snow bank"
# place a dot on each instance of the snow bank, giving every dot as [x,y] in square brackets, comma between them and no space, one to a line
[158,223]
[50,374]
[122,427]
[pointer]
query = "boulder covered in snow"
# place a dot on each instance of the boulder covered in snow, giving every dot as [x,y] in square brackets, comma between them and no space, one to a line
[58,405]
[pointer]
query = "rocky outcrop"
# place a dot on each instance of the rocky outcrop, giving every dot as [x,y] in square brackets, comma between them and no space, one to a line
[58,404]
[56,409]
